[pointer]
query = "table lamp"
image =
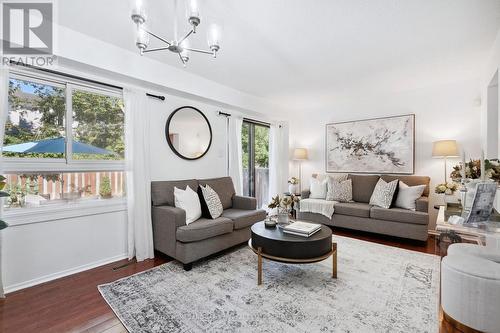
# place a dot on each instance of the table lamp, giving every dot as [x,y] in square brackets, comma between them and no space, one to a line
[300,154]
[445,149]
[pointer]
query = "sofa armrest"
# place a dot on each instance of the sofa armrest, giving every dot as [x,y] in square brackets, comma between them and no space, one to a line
[422,204]
[247,203]
[166,220]
[305,194]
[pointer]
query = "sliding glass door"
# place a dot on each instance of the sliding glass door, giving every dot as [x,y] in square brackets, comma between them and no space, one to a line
[255,147]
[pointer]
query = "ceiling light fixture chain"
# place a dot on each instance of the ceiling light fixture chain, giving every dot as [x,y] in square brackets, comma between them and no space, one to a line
[179,46]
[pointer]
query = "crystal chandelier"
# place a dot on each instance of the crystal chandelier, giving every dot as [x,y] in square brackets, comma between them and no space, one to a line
[179,46]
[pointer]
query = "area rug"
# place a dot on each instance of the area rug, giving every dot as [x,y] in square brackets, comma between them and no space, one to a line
[378,289]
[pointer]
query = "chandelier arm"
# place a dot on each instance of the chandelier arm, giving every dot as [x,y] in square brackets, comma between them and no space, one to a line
[198,50]
[185,37]
[158,37]
[156,49]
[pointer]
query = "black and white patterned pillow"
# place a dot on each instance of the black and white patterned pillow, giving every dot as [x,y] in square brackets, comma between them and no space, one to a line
[341,191]
[211,206]
[383,193]
[334,180]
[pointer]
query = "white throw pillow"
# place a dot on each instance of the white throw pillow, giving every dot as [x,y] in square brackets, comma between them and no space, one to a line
[333,181]
[189,201]
[341,191]
[408,195]
[383,193]
[318,188]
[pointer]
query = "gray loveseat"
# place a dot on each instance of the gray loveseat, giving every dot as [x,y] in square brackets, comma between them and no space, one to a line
[360,215]
[188,243]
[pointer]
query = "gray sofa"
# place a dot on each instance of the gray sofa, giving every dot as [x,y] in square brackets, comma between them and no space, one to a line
[360,215]
[188,243]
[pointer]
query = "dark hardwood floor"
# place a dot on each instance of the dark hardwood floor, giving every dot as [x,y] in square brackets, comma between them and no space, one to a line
[73,303]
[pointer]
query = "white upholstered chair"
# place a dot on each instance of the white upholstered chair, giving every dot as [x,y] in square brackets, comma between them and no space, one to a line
[470,287]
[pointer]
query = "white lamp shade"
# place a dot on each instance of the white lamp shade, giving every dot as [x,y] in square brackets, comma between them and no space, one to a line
[445,148]
[300,154]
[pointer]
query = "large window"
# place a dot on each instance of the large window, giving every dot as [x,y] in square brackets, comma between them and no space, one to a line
[255,147]
[64,141]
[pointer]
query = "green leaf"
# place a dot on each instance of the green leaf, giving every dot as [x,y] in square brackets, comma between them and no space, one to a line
[3,225]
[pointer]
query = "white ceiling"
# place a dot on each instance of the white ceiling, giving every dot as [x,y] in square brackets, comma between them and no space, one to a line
[300,53]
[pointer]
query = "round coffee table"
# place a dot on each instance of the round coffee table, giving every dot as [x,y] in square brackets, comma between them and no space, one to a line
[274,244]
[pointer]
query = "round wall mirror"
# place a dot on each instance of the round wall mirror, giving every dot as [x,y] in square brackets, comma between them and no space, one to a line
[188,133]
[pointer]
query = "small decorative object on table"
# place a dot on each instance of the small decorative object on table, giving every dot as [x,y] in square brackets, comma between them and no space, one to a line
[283,207]
[448,189]
[269,223]
[293,184]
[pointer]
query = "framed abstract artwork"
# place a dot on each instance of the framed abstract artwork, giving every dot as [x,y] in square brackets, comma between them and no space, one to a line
[381,145]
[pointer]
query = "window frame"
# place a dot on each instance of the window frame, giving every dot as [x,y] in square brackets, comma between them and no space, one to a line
[67,164]
[251,152]
[18,165]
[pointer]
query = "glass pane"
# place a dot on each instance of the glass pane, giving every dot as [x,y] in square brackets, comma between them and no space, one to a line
[261,164]
[35,124]
[245,142]
[98,126]
[42,189]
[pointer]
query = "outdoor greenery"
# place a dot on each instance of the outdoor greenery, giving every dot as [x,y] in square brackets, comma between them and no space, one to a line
[261,145]
[105,188]
[98,120]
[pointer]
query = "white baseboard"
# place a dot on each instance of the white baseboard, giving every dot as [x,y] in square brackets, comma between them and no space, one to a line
[57,275]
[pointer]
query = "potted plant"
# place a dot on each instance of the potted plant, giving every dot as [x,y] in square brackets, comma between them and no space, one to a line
[293,184]
[3,194]
[105,188]
[283,207]
[448,189]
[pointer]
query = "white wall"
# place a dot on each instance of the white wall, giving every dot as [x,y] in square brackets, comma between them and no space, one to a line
[441,112]
[39,252]
[165,165]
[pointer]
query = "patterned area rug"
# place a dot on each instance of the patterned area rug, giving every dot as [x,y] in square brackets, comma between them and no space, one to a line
[379,289]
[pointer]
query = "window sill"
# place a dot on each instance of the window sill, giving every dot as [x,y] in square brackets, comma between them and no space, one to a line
[24,216]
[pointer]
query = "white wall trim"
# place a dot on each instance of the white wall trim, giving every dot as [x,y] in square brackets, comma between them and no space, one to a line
[23,216]
[58,275]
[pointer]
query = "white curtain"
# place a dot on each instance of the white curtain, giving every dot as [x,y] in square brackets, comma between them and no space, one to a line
[278,159]
[235,164]
[4,105]
[137,156]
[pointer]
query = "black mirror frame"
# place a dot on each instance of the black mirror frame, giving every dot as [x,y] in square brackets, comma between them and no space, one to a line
[167,125]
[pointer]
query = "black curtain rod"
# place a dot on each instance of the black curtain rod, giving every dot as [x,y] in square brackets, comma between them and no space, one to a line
[156,96]
[258,122]
[76,77]
[224,114]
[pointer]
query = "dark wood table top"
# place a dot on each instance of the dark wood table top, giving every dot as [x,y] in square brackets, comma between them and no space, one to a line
[277,234]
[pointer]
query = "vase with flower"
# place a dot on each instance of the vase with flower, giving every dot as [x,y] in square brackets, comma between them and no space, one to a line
[471,173]
[293,184]
[282,207]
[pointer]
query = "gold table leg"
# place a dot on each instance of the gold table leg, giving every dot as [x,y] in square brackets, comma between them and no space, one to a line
[334,260]
[259,266]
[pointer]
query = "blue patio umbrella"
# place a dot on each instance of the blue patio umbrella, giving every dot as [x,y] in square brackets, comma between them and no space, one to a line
[56,146]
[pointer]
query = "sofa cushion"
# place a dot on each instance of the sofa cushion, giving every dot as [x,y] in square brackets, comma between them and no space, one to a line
[203,229]
[244,218]
[359,209]
[363,186]
[399,215]
[162,192]
[224,188]
[411,181]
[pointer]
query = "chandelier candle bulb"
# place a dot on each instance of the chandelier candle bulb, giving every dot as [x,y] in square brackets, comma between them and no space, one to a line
[142,39]
[138,12]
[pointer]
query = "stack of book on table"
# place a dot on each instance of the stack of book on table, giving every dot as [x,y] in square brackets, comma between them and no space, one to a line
[303,229]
